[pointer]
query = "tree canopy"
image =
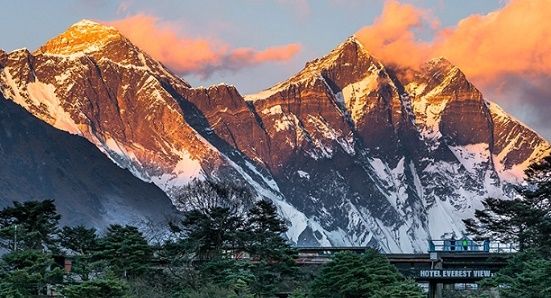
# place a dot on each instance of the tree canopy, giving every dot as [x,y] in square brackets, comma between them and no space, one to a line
[222,234]
[26,273]
[79,239]
[362,275]
[125,250]
[527,274]
[29,225]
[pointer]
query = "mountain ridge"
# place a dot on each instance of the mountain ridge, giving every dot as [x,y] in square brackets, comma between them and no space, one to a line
[352,151]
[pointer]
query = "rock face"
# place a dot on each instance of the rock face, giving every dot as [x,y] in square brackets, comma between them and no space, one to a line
[40,162]
[353,152]
[93,82]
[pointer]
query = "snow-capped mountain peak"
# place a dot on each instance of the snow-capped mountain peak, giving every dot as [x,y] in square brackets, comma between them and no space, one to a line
[348,57]
[86,23]
[84,36]
[352,151]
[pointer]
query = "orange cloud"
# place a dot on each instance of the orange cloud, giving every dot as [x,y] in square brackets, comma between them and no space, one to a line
[392,36]
[201,56]
[507,53]
[512,40]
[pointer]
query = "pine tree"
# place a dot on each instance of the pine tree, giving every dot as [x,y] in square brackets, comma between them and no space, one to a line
[527,274]
[274,259]
[212,219]
[29,225]
[102,287]
[79,239]
[366,275]
[26,273]
[80,242]
[125,251]
[207,228]
[265,230]
[211,232]
[525,220]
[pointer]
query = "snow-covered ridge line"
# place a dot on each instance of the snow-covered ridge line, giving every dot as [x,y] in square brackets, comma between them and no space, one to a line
[329,184]
[498,111]
[311,72]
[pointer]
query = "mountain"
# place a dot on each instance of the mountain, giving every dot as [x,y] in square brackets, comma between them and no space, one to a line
[40,162]
[352,151]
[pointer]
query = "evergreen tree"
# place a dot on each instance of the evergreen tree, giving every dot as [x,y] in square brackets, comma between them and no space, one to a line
[212,219]
[210,291]
[232,274]
[79,239]
[97,288]
[265,229]
[80,242]
[125,250]
[366,275]
[525,220]
[26,273]
[527,274]
[211,232]
[29,225]
[180,260]
[274,259]
[405,288]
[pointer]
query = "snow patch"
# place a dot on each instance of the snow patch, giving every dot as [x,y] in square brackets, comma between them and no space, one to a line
[354,95]
[303,174]
[473,157]
[43,97]
[183,172]
[273,110]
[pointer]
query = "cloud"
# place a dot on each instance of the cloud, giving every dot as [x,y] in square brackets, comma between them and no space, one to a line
[189,55]
[513,39]
[511,45]
[392,36]
[528,97]
[124,6]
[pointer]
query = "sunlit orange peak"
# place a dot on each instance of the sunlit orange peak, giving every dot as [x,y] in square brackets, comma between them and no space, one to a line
[85,36]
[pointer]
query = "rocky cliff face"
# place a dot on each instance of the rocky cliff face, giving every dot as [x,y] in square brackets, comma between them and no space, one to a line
[353,152]
[93,82]
[39,162]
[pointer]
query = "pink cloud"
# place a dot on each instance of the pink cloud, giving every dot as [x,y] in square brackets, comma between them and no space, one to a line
[190,55]
[512,40]
[507,53]
[392,35]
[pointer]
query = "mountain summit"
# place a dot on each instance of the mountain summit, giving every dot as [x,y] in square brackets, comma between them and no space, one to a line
[83,37]
[351,150]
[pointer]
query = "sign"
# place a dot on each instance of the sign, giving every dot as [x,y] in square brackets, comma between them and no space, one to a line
[455,274]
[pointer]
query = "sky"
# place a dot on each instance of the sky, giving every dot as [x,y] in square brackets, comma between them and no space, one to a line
[503,46]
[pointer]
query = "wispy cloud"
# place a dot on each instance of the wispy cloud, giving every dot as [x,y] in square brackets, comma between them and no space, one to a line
[124,6]
[189,55]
